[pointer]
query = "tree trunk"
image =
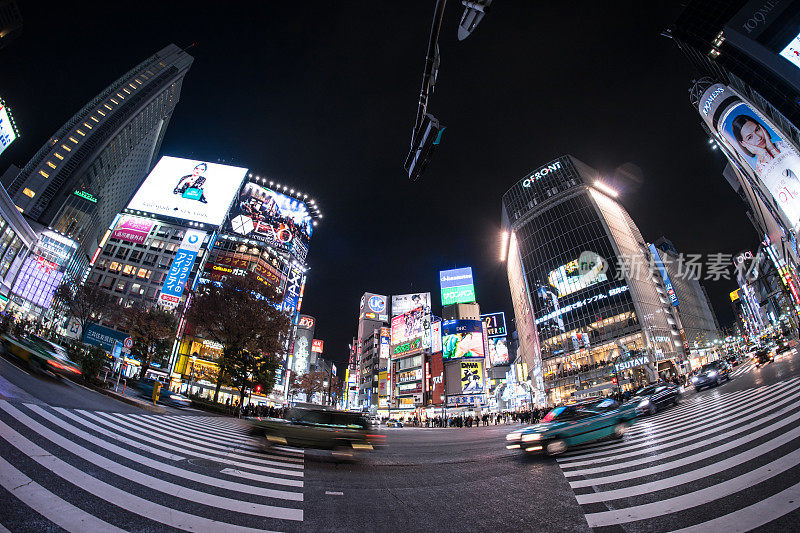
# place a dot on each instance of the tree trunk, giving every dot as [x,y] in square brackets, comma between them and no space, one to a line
[219,385]
[145,365]
[241,396]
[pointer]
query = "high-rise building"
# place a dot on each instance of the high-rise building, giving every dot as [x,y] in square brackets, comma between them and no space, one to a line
[86,173]
[591,316]
[10,22]
[373,315]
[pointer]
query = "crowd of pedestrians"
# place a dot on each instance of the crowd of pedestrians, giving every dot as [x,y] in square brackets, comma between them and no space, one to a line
[462,420]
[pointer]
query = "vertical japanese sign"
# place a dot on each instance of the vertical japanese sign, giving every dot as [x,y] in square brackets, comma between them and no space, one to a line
[179,270]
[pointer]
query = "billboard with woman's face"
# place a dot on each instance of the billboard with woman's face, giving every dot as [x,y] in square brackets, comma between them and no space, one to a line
[773,160]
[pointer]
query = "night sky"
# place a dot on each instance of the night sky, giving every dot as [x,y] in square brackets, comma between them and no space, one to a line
[322,96]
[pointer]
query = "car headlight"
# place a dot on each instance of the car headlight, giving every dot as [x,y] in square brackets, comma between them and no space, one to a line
[644,403]
[712,374]
[695,379]
[531,436]
[513,436]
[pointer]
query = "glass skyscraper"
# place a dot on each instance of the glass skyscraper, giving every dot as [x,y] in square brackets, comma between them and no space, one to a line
[587,306]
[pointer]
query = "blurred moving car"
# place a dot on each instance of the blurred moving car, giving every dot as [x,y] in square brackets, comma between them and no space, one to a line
[41,355]
[650,399]
[782,345]
[571,425]
[763,357]
[167,397]
[732,360]
[320,428]
[394,424]
[711,374]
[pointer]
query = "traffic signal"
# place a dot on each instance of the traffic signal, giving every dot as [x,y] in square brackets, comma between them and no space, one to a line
[428,135]
[258,389]
[614,381]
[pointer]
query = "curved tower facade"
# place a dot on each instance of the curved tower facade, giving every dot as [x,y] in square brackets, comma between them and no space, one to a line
[588,308]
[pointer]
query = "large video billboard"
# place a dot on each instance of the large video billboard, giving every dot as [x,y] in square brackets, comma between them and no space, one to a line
[7,130]
[457,286]
[495,324]
[578,274]
[498,351]
[277,219]
[132,229]
[189,190]
[471,377]
[411,332]
[754,140]
[462,339]
[403,303]
[37,280]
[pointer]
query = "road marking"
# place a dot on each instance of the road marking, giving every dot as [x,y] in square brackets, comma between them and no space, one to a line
[333,493]
[696,498]
[114,495]
[258,477]
[155,483]
[683,449]
[664,467]
[47,504]
[688,477]
[647,447]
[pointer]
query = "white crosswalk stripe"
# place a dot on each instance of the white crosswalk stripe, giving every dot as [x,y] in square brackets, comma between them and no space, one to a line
[99,471]
[678,470]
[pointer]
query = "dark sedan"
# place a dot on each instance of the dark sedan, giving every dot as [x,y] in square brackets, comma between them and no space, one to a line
[652,398]
[711,375]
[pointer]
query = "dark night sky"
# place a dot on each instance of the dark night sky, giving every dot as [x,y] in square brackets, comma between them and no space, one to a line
[322,96]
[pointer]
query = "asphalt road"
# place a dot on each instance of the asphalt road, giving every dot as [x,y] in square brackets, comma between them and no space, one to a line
[726,459]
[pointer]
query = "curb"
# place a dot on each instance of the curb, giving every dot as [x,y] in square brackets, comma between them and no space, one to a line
[130,401]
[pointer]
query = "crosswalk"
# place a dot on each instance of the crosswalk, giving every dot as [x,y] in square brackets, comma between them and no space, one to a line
[721,461]
[743,369]
[80,470]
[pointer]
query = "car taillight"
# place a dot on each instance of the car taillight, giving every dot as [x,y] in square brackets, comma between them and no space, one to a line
[55,364]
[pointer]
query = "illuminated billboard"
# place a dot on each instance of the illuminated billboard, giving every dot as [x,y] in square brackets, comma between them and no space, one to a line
[180,268]
[462,339]
[436,336]
[495,324]
[373,307]
[303,343]
[471,377]
[189,190]
[411,332]
[759,148]
[317,345]
[37,280]
[8,131]
[403,303]
[578,274]
[271,217]
[457,286]
[498,351]
[792,51]
[132,229]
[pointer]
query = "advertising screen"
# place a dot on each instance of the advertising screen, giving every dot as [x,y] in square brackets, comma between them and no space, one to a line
[462,339]
[317,345]
[410,325]
[179,270]
[386,339]
[373,307]
[498,351]
[7,131]
[189,190]
[436,337]
[303,343]
[758,146]
[457,286]
[495,324]
[471,377]
[578,274]
[403,303]
[132,229]
[37,280]
[271,217]
[792,51]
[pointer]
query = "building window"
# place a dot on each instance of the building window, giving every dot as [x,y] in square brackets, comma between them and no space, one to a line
[65,147]
[81,133]
[144,273]
[107,107]
[101,264]
[94,118]
[88,127]
[58,155]
[101,113]
[115,102]
[29,193]
[114,267]
[107,282]
[43,173]
[121,284]
[149,259]
[73,139]
[120,96]
[128,270]
[51,164]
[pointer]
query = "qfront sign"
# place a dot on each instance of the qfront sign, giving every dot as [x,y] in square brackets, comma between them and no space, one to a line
[542,172]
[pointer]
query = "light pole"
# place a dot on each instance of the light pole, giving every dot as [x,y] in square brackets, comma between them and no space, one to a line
[191,373]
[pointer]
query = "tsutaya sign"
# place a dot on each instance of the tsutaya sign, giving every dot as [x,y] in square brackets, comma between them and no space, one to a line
[631,363]
[542,172]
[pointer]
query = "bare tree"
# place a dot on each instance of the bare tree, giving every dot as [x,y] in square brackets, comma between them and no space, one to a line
[152,330]
[242,314]
[86,303]
[309,383]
